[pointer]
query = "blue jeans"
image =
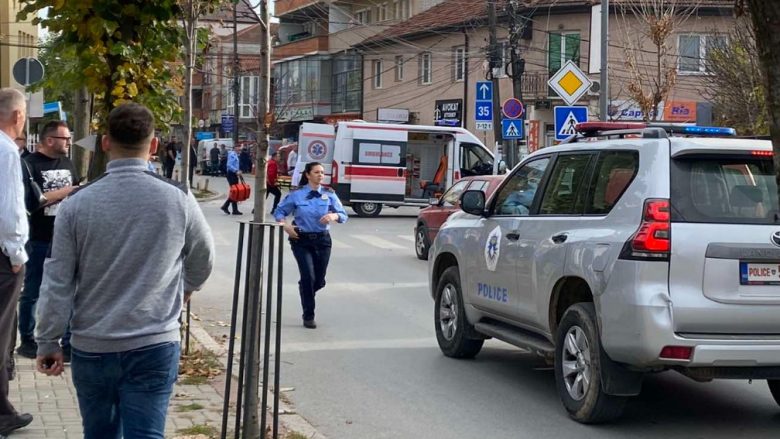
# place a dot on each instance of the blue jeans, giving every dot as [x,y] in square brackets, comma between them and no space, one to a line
[125,394]
[312,252]
[37,251]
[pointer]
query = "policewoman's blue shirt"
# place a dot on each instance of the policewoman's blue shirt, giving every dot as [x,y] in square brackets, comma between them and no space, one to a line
[232,162]
[307,209]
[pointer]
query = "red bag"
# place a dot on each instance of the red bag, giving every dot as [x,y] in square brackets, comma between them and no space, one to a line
[239,191]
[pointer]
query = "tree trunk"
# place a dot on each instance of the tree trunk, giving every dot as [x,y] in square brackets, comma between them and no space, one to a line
[81,119]
[189,29]
[766,19]
[97,166]
[264,108]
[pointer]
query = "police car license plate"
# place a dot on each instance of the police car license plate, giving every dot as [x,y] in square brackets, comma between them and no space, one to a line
[753,273]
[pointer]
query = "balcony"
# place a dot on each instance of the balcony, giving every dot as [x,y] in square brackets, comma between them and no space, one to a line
[535,85]
[283,7]
[300,47]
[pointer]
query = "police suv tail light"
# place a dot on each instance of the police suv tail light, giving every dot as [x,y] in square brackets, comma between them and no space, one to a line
[653,239]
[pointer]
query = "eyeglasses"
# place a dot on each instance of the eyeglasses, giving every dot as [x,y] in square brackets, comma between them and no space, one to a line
[67,139]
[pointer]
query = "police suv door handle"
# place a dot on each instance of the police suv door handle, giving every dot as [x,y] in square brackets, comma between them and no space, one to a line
[513,236]
[559,238]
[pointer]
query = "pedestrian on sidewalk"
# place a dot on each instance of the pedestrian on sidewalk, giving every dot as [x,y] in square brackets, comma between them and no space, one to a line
[233,172]
[193,161]
[56,177]
[272,172]
[169,162]
[123,286]
[13,235]
[314,207]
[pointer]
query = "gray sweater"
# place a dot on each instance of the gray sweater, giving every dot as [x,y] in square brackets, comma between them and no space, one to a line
[126,247]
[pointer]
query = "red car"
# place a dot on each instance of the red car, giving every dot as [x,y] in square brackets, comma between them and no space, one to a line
[430,219]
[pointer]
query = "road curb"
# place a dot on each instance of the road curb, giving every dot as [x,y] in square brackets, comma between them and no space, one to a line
[291,420]
[211,198]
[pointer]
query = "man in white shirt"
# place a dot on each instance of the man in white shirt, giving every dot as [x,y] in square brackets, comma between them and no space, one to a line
[13,236]
[292,159]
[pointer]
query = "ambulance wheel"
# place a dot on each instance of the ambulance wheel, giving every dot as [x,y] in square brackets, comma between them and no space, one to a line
[452,328]
[421,244]
[367,209]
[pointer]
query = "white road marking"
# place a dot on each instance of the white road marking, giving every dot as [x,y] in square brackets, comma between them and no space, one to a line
[340,244]
[379,242]
[348,345]
[406,238]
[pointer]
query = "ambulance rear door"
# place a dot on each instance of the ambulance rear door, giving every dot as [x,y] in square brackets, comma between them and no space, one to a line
[316,142]
[377,172]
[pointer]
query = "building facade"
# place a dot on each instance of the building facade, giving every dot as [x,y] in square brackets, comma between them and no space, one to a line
[436,58]
[318,73]
[17,40]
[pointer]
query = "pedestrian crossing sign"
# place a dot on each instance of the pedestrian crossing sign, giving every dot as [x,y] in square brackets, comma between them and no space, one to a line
[566,119]
[512,128]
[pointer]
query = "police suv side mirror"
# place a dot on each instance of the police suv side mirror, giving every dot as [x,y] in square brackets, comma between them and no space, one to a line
[473,202]
[501,167]
[433,201]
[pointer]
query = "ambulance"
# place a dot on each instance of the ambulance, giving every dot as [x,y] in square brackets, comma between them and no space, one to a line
[372,165]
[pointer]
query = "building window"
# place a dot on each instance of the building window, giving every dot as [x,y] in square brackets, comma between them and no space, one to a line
[247,99]
[382,12]
[426,68]
[346,94]
[694,51]
[377,73]
[459,64]
[363,16]
[399,68]
[562,47]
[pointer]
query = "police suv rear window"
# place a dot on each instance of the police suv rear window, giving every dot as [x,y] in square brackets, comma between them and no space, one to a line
[717,189]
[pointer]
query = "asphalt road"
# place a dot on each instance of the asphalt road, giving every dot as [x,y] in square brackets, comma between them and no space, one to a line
[372,368]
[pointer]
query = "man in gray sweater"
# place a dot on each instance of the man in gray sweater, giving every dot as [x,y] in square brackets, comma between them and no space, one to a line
[122,283]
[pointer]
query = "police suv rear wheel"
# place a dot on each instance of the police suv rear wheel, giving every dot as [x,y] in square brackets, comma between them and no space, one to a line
[774,389]
[578,368]
[452,329]
[421,244]
[367,209]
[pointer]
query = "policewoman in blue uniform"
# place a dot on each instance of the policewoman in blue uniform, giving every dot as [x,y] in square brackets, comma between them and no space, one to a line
[314,207]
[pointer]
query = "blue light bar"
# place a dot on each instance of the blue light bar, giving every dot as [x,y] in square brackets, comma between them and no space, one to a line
[693,130]
[709,131]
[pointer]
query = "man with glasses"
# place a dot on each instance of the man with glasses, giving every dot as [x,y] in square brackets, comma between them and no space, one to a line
[55,175]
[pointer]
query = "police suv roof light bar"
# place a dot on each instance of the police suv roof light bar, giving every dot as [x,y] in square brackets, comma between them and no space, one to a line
[692,130]
[645,130]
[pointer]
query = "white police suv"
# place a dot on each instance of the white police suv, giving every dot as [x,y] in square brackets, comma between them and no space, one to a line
[653,248]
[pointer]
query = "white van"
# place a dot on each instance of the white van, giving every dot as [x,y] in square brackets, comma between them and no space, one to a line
[204,148]
[371,165]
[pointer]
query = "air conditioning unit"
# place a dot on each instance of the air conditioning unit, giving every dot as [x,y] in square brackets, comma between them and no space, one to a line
[595,89]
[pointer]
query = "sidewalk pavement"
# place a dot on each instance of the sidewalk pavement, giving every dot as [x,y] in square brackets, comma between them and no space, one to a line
[52,402]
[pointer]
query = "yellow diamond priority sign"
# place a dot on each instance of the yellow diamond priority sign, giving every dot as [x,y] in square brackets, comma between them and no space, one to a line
[570,83]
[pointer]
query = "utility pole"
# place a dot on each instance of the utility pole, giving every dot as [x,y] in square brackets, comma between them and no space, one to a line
[604,92]
[494,61]
[464,113]
[518,69]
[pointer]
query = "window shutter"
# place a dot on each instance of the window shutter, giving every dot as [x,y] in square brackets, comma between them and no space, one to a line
[554,54]
[420,62]
[573,48]
[454,69]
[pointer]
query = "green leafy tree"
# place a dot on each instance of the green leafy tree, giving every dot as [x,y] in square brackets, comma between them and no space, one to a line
[124,52]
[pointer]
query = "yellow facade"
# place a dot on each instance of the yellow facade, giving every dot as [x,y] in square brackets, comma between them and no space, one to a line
[17,40]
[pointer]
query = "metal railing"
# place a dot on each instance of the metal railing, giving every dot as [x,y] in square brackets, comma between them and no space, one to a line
[271,237]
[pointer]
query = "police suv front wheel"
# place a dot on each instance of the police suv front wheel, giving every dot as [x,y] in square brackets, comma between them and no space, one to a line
[452,329]
[578,368]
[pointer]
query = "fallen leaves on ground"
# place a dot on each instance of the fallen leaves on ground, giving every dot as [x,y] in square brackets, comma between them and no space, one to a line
[199,363]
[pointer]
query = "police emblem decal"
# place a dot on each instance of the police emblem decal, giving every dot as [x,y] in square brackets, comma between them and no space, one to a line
[493,248]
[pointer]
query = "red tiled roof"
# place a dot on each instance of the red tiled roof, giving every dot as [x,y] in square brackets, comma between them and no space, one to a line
[461,13]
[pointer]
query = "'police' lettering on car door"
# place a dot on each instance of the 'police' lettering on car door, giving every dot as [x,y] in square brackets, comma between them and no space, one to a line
[491,292]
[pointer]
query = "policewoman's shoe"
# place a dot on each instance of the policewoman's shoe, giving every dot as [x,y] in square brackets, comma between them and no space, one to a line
[309,324]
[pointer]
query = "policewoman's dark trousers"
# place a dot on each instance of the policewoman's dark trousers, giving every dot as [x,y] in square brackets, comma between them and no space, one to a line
[232,179]
[312,252]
